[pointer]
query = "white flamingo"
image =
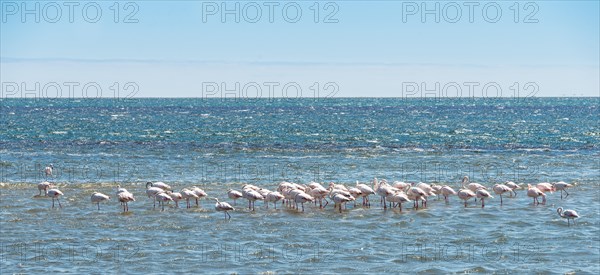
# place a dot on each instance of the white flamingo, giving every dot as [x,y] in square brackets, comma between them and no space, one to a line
[223,207]
[120,189]
[534,193]
[97,198]
[273,197]
[318,193]
[199,193]
[252,196]
[160,185]
[512,186]
[473,186]
[48,171]
[337,186]
[44,186]
[54,194]
[403,186]
[562,186]
[302,198]
[398,198]
[124,198]
[465,195]
[447,191]
[437,190]
[340,199]
[546,187]
[162,198]
[175,196]
[416,194]
[500,189]
[188,194]
[483,194]
[152,191]
[366,191]
[355,192]
[234,195]
[568,214]
[383,190]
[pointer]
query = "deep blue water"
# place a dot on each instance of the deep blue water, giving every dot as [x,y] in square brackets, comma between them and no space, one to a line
[220,144]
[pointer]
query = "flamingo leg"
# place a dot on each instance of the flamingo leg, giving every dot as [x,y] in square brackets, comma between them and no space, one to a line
[302,207]
[566,197]
[326,203]
[384,205]
[52,202]
[60,206]
[500,199]
[98,205]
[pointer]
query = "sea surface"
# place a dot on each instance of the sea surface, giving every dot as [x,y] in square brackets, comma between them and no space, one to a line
[219,144]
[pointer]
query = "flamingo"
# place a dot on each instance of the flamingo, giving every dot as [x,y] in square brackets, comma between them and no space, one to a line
[162,198]
[568,214]
[403,186]
[355,192]
[339,199]
[223,206]
[234,195]
[314,185]
[175,196]
[416,194]
[562,186]
[366,191]
[302,198]
[160,185]
[466,194]
[546,187]
[54,194]
[534,193]
[473,186]
[437,189]
[500,189]
[252,196]
[399,197]
[273,197]
[48,171]
[429,191]
[124,198]
[337,186]
[152,191]
[187,195]
[447,191]
[99,197]
[383,190]
[120,189]
[512,186]
[483,194]
[318,193]
[44,186]
[199,192]
[335,191]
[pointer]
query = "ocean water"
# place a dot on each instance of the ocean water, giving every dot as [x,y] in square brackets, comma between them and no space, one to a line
[217,144]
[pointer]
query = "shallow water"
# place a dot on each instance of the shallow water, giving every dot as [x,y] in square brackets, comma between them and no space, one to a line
[217,145]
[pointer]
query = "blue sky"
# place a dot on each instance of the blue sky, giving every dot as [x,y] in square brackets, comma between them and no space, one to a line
[370,51]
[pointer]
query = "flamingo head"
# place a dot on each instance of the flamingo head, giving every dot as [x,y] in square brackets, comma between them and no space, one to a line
[148,184]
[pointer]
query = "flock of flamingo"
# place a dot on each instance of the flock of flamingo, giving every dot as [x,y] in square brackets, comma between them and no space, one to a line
[291,194]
